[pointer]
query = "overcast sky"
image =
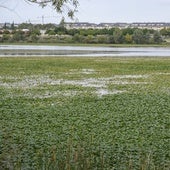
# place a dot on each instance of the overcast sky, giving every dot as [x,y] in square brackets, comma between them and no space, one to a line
[94,11]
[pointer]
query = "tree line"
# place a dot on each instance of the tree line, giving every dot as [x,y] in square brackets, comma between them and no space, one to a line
[59,34]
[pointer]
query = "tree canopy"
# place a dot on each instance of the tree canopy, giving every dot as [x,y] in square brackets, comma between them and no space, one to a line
[66,6]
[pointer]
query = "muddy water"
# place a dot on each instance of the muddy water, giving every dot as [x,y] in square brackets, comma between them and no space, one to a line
[33,50]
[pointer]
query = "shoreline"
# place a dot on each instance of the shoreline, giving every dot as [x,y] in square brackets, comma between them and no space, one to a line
[88,45]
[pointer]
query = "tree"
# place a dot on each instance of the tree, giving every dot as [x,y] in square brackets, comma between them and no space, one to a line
[157,37]
[62,23]
[12,26]
[128,38]
[5,26]
[138,36]
[61,27]
[5,38]
[165,32]
[117,34]
[18,36]
[68,6]
[147,38]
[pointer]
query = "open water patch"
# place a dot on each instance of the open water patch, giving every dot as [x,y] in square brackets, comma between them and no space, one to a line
[83,51]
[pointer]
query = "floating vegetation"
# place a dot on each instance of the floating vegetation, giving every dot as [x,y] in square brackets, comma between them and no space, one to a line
[99,85]
[78,113]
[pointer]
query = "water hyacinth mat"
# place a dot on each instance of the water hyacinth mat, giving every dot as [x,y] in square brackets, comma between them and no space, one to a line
[85,113]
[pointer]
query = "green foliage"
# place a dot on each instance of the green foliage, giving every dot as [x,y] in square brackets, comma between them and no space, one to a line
[18,36]
[67,6]
[51,32]
[105,36]
[128,38]
[138,36]
[157,37]
[117,34]
[43,129]
[77,38]
[6,38]
[37,26]
[60,30]
[165,32]
[35,32]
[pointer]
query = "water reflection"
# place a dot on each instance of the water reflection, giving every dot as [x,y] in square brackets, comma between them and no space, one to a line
[36,50]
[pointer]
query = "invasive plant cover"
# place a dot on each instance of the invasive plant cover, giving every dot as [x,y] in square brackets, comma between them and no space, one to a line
[84,113]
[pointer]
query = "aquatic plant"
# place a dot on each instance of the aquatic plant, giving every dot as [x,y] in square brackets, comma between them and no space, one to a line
[53,116]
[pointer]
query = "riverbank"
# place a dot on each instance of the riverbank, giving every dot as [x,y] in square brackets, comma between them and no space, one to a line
[90,45]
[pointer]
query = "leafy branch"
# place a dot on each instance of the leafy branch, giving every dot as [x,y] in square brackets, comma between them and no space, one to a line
[68,6]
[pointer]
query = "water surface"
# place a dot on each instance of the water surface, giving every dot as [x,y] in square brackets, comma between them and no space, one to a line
[42,50]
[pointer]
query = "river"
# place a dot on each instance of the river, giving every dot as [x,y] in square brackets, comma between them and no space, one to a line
[42,50]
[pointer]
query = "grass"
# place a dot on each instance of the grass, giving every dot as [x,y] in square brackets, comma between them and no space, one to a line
[165,44]
[84,113]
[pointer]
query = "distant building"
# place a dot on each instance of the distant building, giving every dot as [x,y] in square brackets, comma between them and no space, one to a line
[25,30]
[87,25]
[150,25]
[121,25]
[79,25]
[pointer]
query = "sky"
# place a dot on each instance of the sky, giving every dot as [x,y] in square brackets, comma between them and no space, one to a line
[93,11]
